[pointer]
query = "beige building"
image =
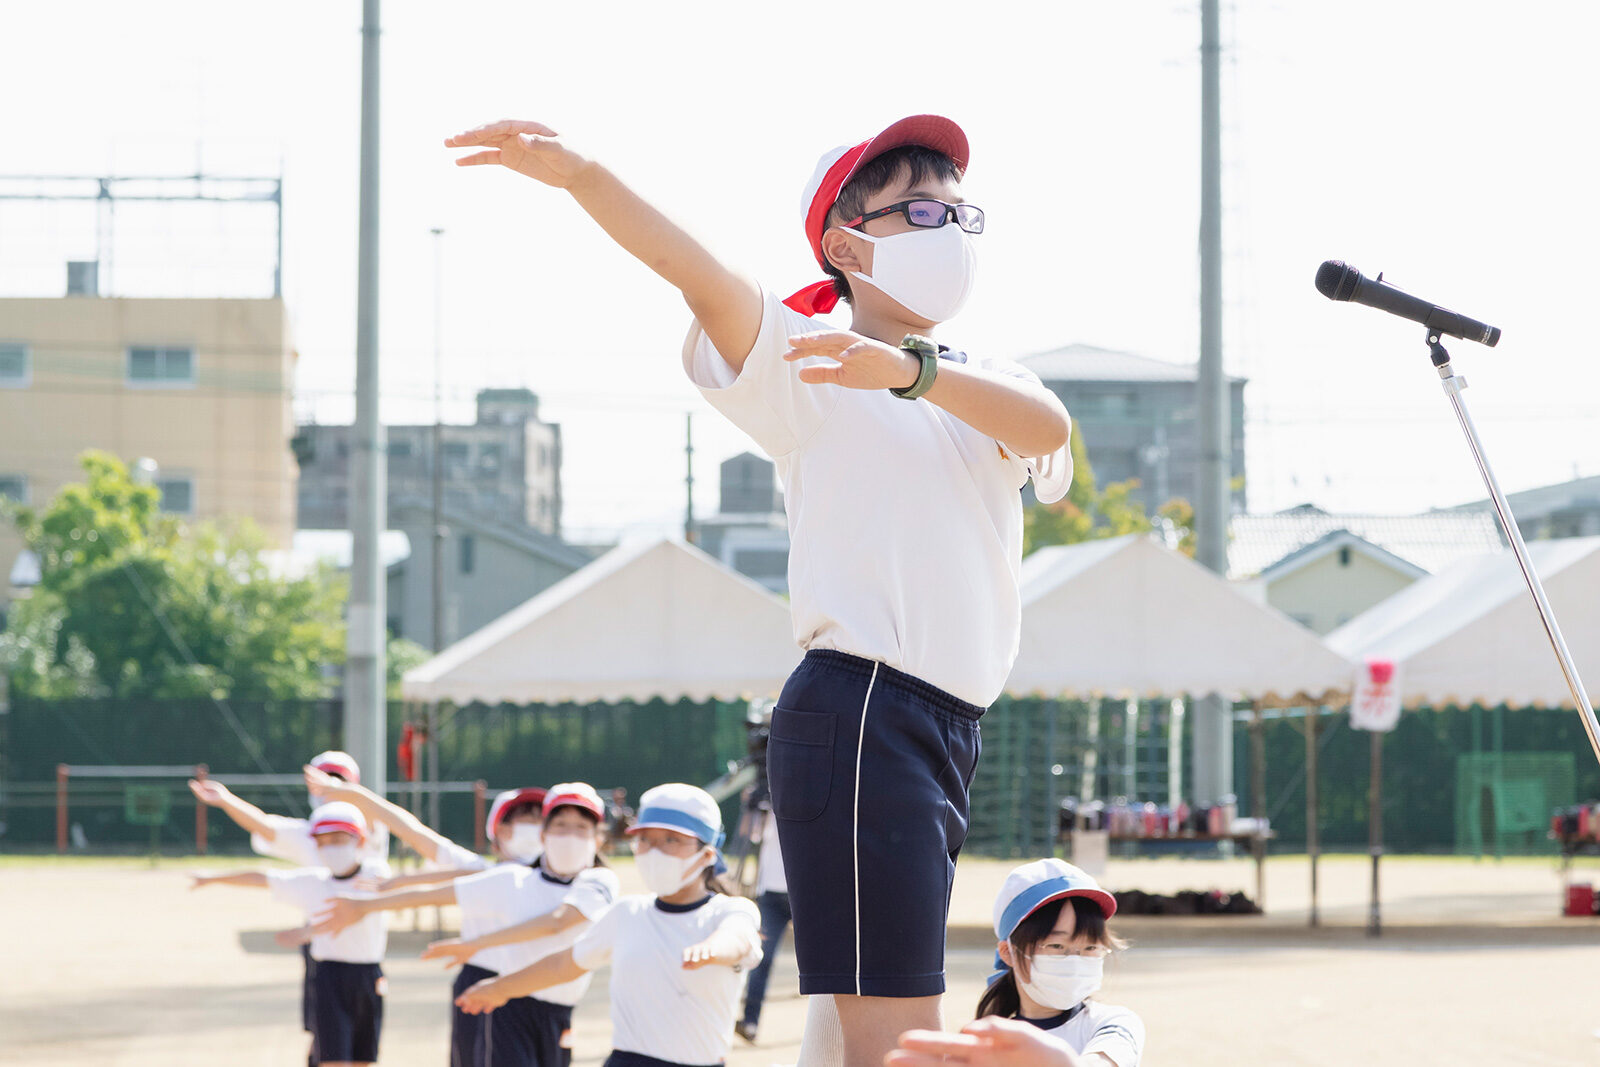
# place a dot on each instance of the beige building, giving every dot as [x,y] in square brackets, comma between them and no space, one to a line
[202,387]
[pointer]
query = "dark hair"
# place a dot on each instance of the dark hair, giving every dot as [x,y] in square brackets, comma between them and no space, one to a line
[912,163]
[1002,998]
[599,830]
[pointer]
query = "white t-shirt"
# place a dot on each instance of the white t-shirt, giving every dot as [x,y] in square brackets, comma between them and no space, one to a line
[769,866]
[292,841]
[658,1008]
[310,889]
[905,523]
[1106,1029]
[513,893]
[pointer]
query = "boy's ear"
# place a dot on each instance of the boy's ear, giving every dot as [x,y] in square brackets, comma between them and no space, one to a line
[838,250]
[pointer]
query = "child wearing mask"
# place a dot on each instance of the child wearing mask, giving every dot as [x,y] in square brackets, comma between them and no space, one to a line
[1050,918]
[901,460]
[347,983]
[551,899]
[676,955]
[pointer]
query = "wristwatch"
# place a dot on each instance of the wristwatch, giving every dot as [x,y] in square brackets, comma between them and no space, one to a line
[927,351]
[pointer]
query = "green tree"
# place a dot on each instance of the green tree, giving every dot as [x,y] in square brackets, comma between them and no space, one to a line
[1087,513]
[132,603]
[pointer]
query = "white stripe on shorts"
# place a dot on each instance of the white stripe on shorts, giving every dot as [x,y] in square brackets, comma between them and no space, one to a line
[855,820]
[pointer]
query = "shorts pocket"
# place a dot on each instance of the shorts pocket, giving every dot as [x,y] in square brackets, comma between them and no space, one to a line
[800,763]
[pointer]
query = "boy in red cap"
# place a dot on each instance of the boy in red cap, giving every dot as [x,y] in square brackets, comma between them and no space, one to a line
[902,461]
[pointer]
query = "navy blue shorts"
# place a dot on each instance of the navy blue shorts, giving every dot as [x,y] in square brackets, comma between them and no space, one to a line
[347,1011]
[305,988]
[870,769]
[639,1059]
[527,1032]
[466,1030]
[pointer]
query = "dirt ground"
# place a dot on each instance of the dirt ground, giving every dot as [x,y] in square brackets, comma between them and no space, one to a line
[112,962]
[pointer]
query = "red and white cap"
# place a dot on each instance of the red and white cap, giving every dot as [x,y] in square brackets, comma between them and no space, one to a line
[335,762]
[504,802]
[339,815]
[837,167]
[577,795]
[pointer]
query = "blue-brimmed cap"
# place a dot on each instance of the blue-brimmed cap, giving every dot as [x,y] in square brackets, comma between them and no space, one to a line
[685,808]
[1033,885]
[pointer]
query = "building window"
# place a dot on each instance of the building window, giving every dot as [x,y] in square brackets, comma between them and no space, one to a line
[469,551]
[161,367]
[177,494]
[457,452]
[401,450]
[14,488]
[489,457]
[15,372]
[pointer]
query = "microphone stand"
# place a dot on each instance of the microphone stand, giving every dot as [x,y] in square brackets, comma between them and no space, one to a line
[1453,385]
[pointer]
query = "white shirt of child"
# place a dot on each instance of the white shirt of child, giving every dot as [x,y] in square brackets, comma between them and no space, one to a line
[905,523]
[770,877]
[1117,1033]
[311,888]
[657,1008]
[292,841]
[513,893]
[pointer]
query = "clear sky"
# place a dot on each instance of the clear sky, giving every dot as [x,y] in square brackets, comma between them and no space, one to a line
[1450,146]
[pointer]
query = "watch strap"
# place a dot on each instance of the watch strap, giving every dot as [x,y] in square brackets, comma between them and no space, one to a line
[926,351]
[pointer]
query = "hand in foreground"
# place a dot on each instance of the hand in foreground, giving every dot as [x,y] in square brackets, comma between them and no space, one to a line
[325,787]
[341,912]
[529,148]
[210,791]
[860,362]
[481,997]
[987,1042]
[453,950]
[702,955]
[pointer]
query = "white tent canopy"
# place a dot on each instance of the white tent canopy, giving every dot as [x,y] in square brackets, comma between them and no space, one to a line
[1471,634]
[660,619]
[1130,617]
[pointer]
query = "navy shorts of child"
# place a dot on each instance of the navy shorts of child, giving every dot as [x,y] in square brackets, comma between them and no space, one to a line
[639,1059]
[466,1030]
[306,988]
[527,1032]
[347,1010]
[870,769]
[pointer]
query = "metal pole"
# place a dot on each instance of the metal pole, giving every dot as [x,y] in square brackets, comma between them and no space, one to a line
[1258,801]
[1453,386]
[480,790]
[437,565]
[688,481]
[1375,830]
[200,835]
[1313,847]
[365,720]
[61,807]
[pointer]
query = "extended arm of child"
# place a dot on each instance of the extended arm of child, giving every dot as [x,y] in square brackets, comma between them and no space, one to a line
[251,818]
[456,951]
[729,945]
[989,1042]
[245,879]
[491,993]
[406,826]
[416,878]
[347,911]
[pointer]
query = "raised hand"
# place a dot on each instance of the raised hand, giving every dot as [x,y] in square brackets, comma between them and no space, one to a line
[325,786]
[454,951]
[859,362]
[341,912]
[209,791]
[481,997]
[529,148]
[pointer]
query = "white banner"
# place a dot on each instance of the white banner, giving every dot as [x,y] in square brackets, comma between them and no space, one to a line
[1375,700]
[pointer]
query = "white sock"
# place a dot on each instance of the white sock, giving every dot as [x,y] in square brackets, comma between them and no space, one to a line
[823,1043]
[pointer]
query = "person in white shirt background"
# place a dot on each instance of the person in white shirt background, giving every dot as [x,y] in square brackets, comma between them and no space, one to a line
[677,954]
[562,889]
[772,901]
[347,983]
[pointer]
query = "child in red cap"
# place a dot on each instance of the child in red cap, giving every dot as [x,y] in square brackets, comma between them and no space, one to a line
[902,461]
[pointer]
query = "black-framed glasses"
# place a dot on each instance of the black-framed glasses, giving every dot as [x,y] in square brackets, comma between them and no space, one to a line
[927,214]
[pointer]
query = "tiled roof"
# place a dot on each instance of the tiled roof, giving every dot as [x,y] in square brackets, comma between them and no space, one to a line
[1086,363]
[1431,541]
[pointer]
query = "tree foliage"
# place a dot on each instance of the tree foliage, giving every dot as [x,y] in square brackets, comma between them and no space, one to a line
[1088,513]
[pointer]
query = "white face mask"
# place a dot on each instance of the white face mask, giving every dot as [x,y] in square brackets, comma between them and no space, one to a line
[664,875]
[525,844]
[929,272]
[1061,982]
[340,859]
[568,853]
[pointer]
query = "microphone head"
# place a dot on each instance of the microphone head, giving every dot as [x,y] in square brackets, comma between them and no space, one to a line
[1337,280]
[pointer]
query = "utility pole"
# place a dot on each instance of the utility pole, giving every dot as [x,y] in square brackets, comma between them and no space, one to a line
[437,566]
[1213,735]
[365,718]
[688,480]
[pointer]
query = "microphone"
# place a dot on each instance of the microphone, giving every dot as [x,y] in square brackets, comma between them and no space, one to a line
[1337,280]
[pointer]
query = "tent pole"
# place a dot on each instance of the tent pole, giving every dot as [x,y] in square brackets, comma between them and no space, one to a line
[1312,846]
[1258,801]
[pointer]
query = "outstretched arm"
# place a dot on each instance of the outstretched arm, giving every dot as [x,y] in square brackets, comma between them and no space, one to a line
[420,878]
[406,826]
[988,1042]
[347,911]
[247,815]
[457,950]
[244,879]
[728,945]
[491,993]
[726,302]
